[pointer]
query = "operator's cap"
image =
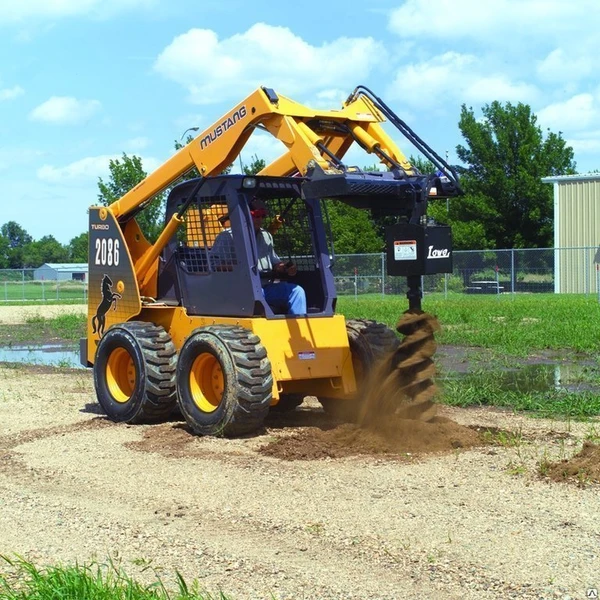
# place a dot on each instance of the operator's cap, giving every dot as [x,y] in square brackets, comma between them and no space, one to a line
[257,207]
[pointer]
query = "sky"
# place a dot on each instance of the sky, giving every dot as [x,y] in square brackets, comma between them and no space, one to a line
[83,81]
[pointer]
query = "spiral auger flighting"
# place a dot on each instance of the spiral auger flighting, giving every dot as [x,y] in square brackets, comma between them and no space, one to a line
[404,383]
[414,368]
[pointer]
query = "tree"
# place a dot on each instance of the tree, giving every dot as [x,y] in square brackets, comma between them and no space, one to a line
[506,204]
[256,165]
[77,248]
[125,174]
[4,252]
[352,229]
[45,250]
[17,238]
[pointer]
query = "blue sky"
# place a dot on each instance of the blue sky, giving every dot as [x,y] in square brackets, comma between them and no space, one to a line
[82,81]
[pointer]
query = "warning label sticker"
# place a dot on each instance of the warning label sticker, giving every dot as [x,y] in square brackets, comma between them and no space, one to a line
[405,250]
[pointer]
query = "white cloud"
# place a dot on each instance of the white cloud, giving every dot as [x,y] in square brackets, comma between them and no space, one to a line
[12,11]
[11,93]
[587,143]
[65,110]
[491,22]
[576,113]
[213,70]
[498,87]
[572,64]
[87,170]
[457,78]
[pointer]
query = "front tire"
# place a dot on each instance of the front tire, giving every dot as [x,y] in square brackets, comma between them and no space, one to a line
[224,381]
[134,373]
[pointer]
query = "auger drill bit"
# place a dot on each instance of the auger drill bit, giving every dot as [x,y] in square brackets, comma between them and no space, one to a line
[407,387]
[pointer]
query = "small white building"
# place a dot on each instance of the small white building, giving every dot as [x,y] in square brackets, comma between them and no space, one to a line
[61,272]
[576,225]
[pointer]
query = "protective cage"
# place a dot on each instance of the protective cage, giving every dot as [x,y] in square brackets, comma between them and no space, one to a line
[209,265]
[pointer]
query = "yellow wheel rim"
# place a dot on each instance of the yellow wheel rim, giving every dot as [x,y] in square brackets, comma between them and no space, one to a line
[120,375]
[206,383]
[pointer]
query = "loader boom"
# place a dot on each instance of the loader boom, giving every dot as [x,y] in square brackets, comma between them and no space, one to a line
[319,137]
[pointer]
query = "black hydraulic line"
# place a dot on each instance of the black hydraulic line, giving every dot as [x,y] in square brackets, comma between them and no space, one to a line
[336,161]
[410,135]
[190,198]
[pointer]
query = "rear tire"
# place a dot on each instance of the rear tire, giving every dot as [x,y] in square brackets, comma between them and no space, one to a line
[370,342]
[134,373]
[224,381]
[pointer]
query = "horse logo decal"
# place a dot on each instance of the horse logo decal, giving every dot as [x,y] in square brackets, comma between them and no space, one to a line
[108,299]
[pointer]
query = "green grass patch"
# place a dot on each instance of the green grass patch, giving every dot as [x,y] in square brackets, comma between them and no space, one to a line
[44,291]
[66,328]
[512,324]
[21,580]
[489,388]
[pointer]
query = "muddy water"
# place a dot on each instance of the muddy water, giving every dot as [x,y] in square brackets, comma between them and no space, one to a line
[47,354]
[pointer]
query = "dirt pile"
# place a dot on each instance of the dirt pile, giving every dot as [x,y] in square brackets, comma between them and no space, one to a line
[397,414]
[412,432]
[582,468]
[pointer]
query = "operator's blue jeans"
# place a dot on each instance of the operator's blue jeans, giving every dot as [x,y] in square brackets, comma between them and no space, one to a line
[290,296]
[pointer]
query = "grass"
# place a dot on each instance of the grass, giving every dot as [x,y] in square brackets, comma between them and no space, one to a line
[37,329]
[55,291]
[498,332]
[507,329]
[21,580]
[512,324]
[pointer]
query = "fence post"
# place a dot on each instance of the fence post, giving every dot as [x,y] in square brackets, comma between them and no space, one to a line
[586,272]
[513,275]
[382,274]
[43,292]
[23,283]
[355,284]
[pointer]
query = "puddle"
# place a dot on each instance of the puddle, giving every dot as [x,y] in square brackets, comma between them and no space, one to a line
[539,377]
[48,354]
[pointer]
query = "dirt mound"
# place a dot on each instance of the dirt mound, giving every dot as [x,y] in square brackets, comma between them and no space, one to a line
[397,435]
[582,468]
[168,439]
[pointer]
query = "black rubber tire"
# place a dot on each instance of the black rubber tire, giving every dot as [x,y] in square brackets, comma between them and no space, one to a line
[224,381]
[134,373]
[288,402]
[370,342]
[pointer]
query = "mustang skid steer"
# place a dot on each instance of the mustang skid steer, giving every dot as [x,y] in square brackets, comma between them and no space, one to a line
[167,326]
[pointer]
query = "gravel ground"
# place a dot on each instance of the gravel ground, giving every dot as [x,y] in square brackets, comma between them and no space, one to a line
[13,315]
[476,523]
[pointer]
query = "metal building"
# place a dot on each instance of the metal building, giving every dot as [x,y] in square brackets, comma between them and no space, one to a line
[61,272]
[576,225]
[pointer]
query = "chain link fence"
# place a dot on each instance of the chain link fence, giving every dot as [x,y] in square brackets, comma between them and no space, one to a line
[533,270]
[19,285]
[561,270]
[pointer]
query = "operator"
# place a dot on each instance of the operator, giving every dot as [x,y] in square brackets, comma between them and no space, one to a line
[271,268]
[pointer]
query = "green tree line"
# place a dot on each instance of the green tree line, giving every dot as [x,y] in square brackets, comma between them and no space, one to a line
[504,156]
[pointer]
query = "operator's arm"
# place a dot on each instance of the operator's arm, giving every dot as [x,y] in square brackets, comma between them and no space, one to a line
[268,259]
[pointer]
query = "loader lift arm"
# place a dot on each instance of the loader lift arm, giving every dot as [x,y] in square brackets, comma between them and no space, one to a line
[312,137]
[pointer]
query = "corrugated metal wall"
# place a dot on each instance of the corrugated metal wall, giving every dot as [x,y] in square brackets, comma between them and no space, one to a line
[578,222]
